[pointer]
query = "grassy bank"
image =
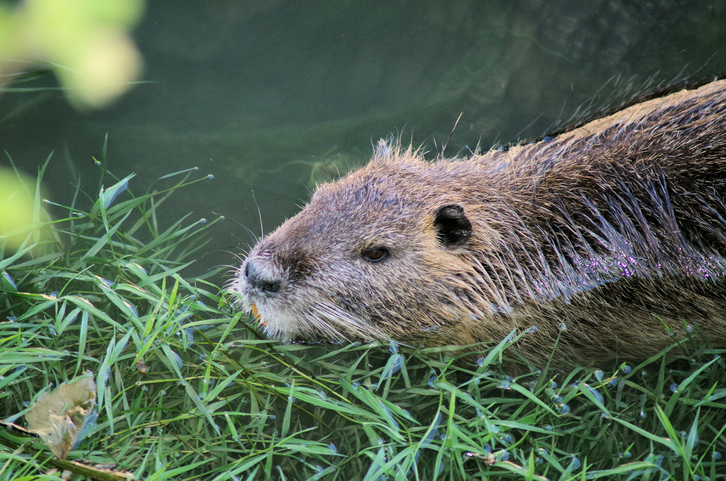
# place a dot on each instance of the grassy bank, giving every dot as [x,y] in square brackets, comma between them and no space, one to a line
[187,389]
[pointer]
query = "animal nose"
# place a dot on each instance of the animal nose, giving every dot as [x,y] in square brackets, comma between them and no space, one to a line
[257,280]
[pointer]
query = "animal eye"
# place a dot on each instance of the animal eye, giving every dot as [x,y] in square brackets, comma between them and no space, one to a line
[376,254]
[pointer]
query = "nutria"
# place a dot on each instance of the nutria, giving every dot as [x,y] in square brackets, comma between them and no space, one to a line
[610,239]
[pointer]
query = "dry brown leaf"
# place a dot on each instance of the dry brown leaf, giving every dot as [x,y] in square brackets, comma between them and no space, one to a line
[62,416]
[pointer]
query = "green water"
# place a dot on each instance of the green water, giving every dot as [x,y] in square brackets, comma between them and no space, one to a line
[270,97]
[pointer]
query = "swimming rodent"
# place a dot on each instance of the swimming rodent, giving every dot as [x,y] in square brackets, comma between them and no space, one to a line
[609,239]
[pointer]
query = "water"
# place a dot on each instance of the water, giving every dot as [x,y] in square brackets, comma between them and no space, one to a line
[270,97]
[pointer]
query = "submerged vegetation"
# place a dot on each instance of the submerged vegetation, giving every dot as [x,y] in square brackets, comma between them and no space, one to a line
[187,389]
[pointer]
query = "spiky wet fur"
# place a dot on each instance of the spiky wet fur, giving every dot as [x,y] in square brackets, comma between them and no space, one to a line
[610,238]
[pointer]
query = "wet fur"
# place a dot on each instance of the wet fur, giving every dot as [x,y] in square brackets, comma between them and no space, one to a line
[611,237]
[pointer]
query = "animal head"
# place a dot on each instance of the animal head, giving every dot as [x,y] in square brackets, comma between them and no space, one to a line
[383,252]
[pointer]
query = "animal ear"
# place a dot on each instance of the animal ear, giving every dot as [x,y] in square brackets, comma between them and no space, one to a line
[453,228]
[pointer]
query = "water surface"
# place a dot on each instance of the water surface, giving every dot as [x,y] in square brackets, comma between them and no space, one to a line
[270,97]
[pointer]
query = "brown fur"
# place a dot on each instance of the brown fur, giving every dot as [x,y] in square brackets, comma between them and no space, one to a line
[606,237]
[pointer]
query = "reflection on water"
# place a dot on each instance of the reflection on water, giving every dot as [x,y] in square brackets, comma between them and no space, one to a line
[270,97]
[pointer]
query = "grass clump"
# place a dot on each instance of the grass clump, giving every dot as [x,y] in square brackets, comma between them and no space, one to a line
[186,389]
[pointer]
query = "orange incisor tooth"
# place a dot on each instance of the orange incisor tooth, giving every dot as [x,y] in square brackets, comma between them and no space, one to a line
[257,315]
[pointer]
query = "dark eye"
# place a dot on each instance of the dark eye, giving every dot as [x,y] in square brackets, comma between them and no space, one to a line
[376,254]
